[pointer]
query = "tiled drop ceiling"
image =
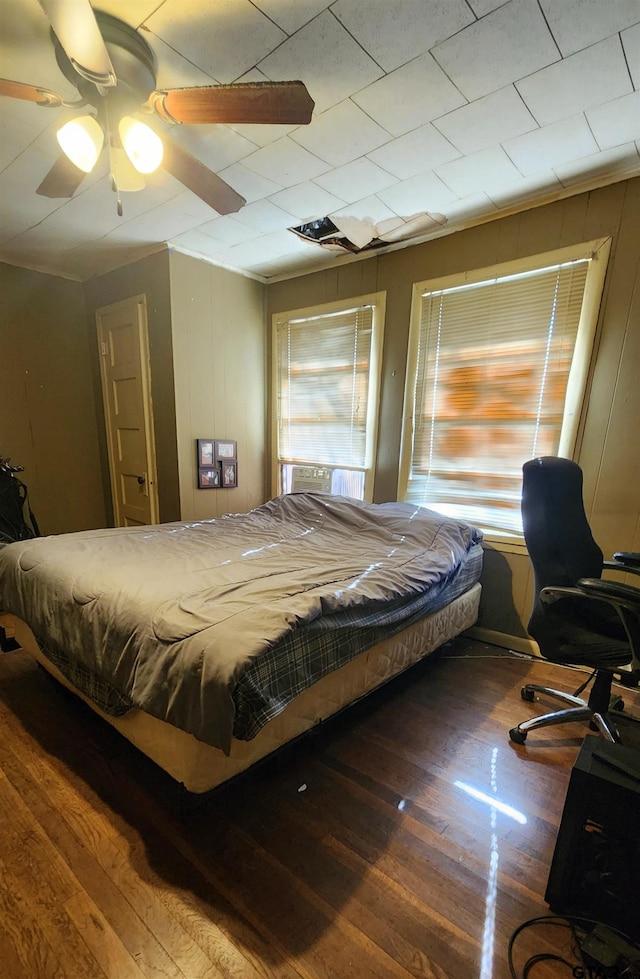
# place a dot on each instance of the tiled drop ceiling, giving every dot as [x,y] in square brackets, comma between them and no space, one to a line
[463,109]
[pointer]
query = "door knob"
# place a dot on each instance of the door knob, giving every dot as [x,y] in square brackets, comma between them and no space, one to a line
[141,480]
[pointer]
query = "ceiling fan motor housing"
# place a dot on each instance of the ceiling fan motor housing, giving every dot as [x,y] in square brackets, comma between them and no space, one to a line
[133,62]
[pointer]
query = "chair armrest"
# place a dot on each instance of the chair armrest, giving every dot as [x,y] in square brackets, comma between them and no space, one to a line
[628,562]
[553,593]
[628,557]
[613,592]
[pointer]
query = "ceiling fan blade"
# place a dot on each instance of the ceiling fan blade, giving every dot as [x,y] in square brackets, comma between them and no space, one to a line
[280,103]
[30,93]
[63,179]
[204,183]
[75,26]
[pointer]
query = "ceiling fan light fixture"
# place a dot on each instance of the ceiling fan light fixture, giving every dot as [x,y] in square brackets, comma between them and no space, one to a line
[82,140]
[142,146]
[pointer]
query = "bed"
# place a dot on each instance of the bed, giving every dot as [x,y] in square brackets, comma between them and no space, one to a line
[210,644]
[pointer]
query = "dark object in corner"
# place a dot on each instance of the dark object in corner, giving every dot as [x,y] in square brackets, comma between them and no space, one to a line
[13,497]
[596,862]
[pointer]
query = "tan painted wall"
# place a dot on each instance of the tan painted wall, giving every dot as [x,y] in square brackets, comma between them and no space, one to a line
[149,276]
[608,450]
[48,421]
[219,366]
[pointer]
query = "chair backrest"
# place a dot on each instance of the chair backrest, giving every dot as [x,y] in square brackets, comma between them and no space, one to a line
[557,535]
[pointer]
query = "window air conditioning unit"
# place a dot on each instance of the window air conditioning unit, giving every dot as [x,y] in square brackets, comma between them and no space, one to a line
[310,479]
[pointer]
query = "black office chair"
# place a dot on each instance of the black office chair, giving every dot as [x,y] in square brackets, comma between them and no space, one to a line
[578,618]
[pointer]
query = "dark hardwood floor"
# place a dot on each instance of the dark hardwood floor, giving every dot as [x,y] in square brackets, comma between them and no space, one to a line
[407,837]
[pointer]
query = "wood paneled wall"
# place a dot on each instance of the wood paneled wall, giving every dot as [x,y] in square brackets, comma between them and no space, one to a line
[220,388]
[609,436]
[48,421]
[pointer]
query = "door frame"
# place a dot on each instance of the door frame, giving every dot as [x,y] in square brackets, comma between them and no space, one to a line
[145,379]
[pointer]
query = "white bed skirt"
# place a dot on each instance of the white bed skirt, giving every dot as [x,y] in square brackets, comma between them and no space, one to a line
[201,767]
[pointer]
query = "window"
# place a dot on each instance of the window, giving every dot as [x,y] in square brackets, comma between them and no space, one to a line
[496,375]
[326,372]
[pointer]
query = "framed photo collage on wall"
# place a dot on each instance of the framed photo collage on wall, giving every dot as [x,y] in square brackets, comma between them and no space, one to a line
[217,463]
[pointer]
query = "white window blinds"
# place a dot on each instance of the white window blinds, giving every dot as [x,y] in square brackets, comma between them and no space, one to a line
[493,365]
[323,371]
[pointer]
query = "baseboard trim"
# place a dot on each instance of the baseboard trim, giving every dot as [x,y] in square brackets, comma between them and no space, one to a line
[520,644]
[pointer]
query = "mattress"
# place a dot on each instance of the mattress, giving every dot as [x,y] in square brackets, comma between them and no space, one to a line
[216,626]
[201,767]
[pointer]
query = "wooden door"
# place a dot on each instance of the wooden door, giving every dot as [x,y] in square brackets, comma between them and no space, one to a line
[126,390]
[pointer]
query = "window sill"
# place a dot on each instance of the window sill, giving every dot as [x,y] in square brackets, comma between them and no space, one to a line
[507,545]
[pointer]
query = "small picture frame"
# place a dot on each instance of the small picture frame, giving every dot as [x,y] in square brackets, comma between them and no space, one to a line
[206,452]
[225,449]
[209,478]
[229,474]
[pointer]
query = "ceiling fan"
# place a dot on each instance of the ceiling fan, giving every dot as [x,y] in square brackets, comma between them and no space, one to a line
[113,68]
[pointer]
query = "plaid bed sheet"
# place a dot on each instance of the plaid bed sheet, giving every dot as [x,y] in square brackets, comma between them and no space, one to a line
[295,663]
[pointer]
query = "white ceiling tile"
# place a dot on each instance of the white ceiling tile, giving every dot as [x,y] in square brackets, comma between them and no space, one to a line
[622,159]
[479,172]
[356,180]
[578,82]
[285,162]
[507,44]
[307,201]
[576,24]
[395,31]
[631,44]
[172,70]
[226,230]
[292,16]
[529,188]
[21,123]
[368,209]
[194,206]
[263,216]
[326,58]
[467,208]
[341,134]
[616,122]
[552,146]
[423,149]
[215,146]
[195,241]
[426,192]
[410,96]
[280,243]
[262,135]
[482,7]
[487,122]
[157,225]
[247,255]
[247,183]
[225,39]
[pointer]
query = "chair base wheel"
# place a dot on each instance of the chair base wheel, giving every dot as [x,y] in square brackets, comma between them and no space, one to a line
[518,736]
[528,694]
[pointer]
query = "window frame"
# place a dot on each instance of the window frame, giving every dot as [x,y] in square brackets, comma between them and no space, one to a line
[575,400]
[377,300]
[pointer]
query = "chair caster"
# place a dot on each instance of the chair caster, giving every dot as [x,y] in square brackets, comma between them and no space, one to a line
[528,694]
[518,736]
[619,705]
